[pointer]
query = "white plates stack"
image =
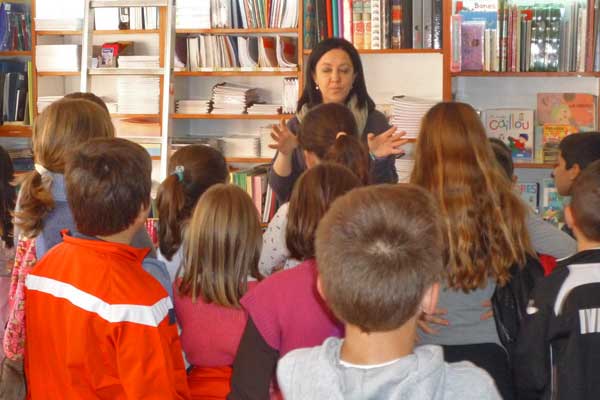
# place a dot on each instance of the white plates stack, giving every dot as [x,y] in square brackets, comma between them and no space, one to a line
[138,94]
[407,113]
[240,146]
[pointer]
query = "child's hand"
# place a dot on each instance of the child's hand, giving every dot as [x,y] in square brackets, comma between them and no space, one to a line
[426,319]
[489,312]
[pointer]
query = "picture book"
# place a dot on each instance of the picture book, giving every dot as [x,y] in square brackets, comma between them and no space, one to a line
[515,127]
[552,134]
[529,193]
[575,109]
[472,45]
[552,203]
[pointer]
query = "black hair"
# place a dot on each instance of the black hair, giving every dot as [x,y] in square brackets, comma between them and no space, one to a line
[503,156]
[580,148]
[7,197]
[313,97]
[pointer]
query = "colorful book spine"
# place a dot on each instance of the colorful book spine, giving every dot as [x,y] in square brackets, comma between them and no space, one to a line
[396,36]
[358,36]
[309,29]
[329,10]
[347,20]
[375,24]
[456,41]
[334,18]
[367,22]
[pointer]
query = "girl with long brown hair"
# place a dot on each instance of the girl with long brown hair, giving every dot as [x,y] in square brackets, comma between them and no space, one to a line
[485,232]
[220,264]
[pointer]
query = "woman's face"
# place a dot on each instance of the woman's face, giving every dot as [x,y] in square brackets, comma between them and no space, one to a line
[334,75]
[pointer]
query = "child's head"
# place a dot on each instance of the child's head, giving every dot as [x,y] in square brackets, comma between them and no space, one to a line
[486,231]
[329,133]
[503,157]
[222,246]
[61,127]
[577,151]
[192,170]
[583,213]
[313,193]
[87,96]
[7,197]
[380,254]
[108,186]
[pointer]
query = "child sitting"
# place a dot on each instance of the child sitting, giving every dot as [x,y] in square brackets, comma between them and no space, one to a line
[221,248]
[379,254]
[98,325]
[559,343]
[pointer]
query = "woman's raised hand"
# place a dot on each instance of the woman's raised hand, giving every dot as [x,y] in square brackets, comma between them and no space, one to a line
[285,140]
[386,144]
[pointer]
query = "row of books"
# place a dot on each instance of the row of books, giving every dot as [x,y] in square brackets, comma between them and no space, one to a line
[375,24]
[221,52]
[15,92]
[255,182]
[15,26]
[123,18]
[513,36]
[207,14]
[535,134]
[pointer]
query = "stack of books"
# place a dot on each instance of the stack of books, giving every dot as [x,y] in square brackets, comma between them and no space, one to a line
[264,109]
[138,94]
[56,24]
[192,106]
[124,18]
[242,146]
[139,62]
[289,95]
[192,14]
[407,113]
[58,57]
[265,141]
[15,27]
[231,98]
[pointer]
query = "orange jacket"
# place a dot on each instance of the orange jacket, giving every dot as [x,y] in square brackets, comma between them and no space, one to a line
[100,327]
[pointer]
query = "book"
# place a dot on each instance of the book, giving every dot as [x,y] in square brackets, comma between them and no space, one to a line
[575,109]
[515,127]
[472,38]
[552,203]
[417,24]
[529,192]
[552,134]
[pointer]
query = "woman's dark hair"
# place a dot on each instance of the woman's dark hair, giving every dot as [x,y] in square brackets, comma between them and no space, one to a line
[314,192]
[7,197]
[319,135]
[202,167]
[313,97]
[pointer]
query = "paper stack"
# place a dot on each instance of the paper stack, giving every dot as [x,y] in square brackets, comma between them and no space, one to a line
[192,14]
[289,95]
[45,101]
[138,94]
[264,109]
[230,98]
[240,146]
[58,57]
[265,141]
[55,24]
[408,112]
[140,62]
[182,141]
[192,106]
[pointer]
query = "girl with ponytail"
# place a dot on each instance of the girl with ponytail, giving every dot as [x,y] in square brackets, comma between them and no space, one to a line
[328,133]
[193,169]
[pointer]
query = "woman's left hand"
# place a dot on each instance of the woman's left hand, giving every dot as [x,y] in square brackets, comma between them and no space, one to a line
[387,143]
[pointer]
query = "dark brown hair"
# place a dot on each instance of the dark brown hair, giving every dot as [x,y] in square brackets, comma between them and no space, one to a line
[63,125]
[585,198]
[580,148]
[313,193]
[319,135]
[503,157]
[222,246]
[7,197]
[108,183]
[379,248]
[202,167]
[87,96]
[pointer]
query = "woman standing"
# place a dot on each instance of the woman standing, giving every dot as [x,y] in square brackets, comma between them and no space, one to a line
[334,74]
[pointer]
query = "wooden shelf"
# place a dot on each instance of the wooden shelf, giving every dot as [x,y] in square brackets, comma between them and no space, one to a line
[236,73]
[230,116]
[394,51]
[59,73]
[125,71]
[125,31]
[124,116]
[15,53]
[240,31]
[128,3]
[535,165]
[58,33]
[155,158]
[525,74]
[248,160]
[15,131]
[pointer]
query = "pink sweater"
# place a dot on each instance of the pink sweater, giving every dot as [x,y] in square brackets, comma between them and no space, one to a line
[289,312]
[210,333]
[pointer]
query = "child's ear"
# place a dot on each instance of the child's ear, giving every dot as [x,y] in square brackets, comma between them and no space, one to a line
[320,287]
[430,298]
[574,171]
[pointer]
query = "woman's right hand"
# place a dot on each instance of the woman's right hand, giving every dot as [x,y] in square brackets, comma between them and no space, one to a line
[285,140]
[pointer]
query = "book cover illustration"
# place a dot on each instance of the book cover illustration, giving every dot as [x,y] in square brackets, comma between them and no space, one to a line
[472,45]
[552,134]
[575,109]
[529,193]
[552,203]
[515,127]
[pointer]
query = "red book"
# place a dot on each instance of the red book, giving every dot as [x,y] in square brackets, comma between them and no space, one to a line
[329,18]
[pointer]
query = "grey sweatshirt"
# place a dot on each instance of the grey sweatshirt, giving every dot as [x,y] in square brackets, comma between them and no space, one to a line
[316,373]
